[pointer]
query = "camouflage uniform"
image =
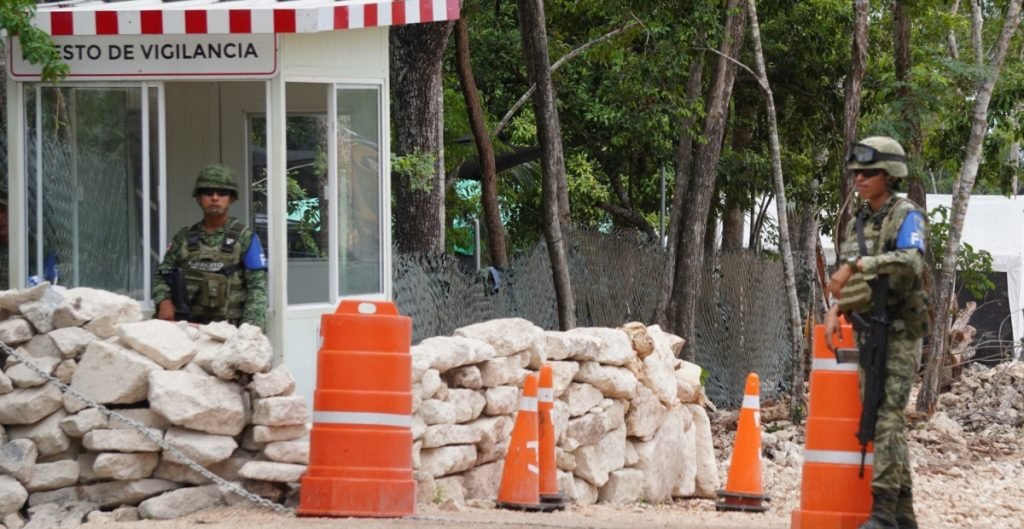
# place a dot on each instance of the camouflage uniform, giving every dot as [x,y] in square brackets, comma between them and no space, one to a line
[907,309]
[225,271]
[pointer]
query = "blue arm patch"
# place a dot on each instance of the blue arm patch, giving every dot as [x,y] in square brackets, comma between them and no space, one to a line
[911,233]
[254,258]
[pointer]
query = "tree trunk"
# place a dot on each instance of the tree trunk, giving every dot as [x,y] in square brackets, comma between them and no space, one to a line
[788,274]
[902,60]
[977,24]
[961,196]
[732,228]
[417,115]
[951,47]
[851,107]
[732,217]
[484,148]
[689,253]
[665,312]
[549,133]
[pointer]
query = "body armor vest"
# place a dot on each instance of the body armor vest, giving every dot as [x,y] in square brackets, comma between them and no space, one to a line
[213,274]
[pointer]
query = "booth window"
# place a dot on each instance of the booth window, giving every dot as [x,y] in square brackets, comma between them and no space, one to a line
[89,201]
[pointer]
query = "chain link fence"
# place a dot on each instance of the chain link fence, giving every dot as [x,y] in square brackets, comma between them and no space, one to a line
[616,278]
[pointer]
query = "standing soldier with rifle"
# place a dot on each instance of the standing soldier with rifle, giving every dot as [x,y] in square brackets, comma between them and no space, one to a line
[879,288]
[214,269]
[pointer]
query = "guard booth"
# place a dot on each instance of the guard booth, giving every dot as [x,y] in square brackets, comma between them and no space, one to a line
[293,95]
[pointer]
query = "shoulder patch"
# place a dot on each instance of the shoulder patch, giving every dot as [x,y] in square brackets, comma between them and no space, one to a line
[254,258]
[911,234]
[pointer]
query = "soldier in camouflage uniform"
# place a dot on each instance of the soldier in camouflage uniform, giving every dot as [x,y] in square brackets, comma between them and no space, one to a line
[222,260]
[894,236]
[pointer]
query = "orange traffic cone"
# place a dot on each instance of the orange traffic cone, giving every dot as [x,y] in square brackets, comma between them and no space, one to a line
[549,495]
[520,479]
[743,491]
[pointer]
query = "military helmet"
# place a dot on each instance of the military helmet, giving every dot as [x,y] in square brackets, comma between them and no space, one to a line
[216,176]
[878,152]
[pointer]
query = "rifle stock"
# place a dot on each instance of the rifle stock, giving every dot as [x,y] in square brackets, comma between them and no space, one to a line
[179,294]
[872,359]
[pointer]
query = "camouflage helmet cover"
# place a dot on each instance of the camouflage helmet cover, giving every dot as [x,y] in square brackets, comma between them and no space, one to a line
[884,145]
[216,176]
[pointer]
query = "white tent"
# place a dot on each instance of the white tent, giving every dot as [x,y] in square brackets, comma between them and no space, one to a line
[993,223]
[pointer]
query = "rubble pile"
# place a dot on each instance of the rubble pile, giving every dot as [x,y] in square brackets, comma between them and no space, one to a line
[984,396]
[629,416]
[208,392]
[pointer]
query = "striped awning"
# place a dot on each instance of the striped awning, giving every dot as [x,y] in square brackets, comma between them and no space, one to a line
[184,17]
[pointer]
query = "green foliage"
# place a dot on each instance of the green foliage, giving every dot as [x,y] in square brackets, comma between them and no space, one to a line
[973,266]
[37,46]
[417,167]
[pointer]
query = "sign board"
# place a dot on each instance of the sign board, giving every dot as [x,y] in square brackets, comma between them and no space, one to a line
[251,56]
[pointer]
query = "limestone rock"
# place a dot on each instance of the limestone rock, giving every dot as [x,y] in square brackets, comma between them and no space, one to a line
[271,471]
[221,331]
[108,440]
[614,382]
[583,492]
[10,300]
[65,371]
[435,411]
[451,492]
[707,466]
[111,374]
[270,434]
[49,476]
[615,350]
[646,413]
[449,352]
[85,472]
[27,406]
[101,309]
[6,385]
[447,459]
[71,341]
[144,416]
[662,474]
[468,404]
[248,351]
[624,486]
[13,521]
[296,452]
[160,341]
[581,398]
[116,493]
[562,374]
[467,377]
[507,335]
[278,382]
[203,448]
[687,485]
[15,331]
[207,350]
[51,515]
[501,371]
[501,400]
[595,462]
[24,376]
[280,411]
[658,366]
[451,434]
[483,481]
[41,345]
[17,458]
[12,495]
[495,433]
[640,340]
[178,503]
[674,342]
[199,403]
[561,345]
[46,434]
[688,382]
[585,430]
[39,314]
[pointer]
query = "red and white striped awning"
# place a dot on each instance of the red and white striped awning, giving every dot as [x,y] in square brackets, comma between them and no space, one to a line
[184,17]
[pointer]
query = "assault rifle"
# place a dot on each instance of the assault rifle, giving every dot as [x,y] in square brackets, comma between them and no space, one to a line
[179,294]
[873,352]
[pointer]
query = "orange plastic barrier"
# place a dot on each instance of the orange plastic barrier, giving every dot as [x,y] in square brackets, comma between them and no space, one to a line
[360,454]
[549,494]
[744,490]
[832,493]
[520,477]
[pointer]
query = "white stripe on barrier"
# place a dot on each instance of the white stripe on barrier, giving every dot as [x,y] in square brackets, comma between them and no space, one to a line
[527,403]
[533,445]
[533,469]
[831,364]
[836,457]
[752,402]
[352,417]
[546,395]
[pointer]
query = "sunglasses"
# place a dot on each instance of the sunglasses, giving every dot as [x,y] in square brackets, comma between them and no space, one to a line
[860,153]
[867,173]
[219,192]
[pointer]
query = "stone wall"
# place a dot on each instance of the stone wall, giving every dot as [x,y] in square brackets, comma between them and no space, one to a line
[629,415]
[207,391]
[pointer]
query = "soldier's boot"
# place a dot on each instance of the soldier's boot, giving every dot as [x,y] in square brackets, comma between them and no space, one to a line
[905,518]
[883,510]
